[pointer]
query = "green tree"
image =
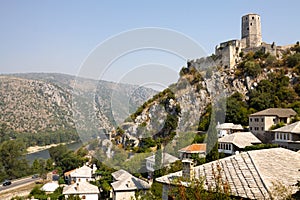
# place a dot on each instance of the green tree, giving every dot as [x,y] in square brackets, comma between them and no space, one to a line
[212,139]
[12,155]
[237,110]
[293,60]
[49,164]
[36,166]
[158,158]
[37,193]
[64,158]
[252,68]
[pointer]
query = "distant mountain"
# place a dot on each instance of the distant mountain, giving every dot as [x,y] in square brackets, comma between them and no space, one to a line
[47,102]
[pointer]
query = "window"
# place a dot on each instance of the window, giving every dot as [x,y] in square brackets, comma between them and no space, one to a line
[250,119]
[262,119]
[250,128]
[262,128]
[252,17]
[250,24]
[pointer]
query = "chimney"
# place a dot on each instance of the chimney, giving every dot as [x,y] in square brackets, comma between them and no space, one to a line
[188,169]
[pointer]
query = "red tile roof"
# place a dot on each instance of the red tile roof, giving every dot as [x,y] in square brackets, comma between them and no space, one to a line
[193,148]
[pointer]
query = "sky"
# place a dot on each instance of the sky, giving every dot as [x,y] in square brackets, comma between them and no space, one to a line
[60,35]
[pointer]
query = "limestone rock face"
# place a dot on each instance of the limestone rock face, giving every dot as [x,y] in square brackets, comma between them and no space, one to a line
[194,91]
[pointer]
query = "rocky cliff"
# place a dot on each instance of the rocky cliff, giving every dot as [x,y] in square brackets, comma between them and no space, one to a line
[203,83]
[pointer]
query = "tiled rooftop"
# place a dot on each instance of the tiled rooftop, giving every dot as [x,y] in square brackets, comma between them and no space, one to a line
[166,158]
[81,188]
[83,171]
[193,148]
[280,112]
[240,139]
[230,126]
[291,128]
[251,174]
[126,181]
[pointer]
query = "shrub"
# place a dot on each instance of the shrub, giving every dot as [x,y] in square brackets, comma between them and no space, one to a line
[293,60]
[252,68]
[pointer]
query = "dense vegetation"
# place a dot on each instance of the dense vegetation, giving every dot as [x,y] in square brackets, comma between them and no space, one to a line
[280,89]
[41,138]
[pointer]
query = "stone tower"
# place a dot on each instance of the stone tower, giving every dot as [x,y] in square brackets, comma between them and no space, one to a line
[251,30]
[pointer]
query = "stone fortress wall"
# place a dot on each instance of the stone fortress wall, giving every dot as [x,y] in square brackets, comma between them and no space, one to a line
[227,54]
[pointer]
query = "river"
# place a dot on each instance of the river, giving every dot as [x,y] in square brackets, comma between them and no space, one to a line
[44,154]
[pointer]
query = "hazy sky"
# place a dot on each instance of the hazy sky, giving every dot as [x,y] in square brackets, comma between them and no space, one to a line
[58,35]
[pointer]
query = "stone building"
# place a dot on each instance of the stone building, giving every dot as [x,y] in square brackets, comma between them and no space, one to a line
[250,175]
[261,122]
[236,142]
[166,160]
[251,31]
[125,185]
[227,54]
[288,136]
[193,149]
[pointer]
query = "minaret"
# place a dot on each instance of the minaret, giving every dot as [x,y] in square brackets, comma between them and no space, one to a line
[251,30]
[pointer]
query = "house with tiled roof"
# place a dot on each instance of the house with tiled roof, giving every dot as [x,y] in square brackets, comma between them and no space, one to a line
[236,142]
[125,185]
[249,175]
[228,128]
[50,187]
[83,189]
[288,136]
[83,173]
[193,149]
[166,160]
[262,121]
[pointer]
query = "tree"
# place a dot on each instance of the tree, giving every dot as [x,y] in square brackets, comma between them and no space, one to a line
[237,110]
[252,68]
[64,158]
[212,139]
[12,155]
[36,166]
[158,158]
[293,60]
[49,164]
[38,193]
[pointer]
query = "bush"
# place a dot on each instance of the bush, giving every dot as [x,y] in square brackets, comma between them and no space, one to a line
[260,146]
[293,60]
[252,68]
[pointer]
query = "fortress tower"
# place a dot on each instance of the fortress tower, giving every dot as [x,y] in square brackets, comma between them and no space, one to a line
[251,30]
[228,54]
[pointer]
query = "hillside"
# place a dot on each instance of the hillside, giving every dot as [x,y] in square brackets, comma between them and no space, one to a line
[258,81]
[43,103]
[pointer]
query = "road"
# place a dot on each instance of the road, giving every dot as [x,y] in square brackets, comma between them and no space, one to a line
[18,183]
